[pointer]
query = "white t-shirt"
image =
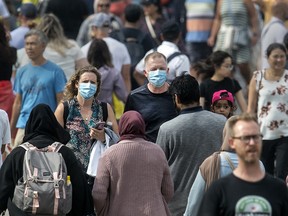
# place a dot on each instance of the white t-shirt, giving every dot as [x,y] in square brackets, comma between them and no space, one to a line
[3,10]
[119,52]
[5,136]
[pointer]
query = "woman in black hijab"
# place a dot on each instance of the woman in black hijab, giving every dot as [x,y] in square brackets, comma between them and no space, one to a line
[42,130]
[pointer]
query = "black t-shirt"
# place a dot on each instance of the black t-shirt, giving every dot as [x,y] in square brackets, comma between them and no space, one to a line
[231,196]
[154,108]
[208,87]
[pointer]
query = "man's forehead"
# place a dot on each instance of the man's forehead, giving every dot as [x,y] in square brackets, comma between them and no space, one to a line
[246,126]
[156,65]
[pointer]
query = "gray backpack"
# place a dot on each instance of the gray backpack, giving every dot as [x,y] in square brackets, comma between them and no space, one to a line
[45,188]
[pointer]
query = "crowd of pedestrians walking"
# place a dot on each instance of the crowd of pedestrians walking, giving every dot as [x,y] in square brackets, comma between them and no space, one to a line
[147,108]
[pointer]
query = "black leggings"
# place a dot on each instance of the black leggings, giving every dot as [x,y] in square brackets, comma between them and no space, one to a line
[275,157]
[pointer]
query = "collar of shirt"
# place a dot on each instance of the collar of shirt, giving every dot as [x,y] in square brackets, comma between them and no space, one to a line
[191,110]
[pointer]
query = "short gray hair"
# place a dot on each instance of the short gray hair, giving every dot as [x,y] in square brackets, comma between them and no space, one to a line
[41,35]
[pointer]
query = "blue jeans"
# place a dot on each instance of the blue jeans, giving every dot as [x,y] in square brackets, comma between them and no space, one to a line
[275,157]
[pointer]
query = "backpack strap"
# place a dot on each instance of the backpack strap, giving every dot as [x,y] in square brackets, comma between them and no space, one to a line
[227,158]
[55,147]
[27,146]
[173,55]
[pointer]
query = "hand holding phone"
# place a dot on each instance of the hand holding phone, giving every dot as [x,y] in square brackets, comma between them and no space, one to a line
[100,125]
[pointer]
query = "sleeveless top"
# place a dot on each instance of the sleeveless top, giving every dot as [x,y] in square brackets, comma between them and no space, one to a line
[272,109]
[233,13]
[79,130]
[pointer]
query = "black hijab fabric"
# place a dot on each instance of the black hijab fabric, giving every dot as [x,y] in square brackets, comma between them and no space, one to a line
[131,125]
[42,128]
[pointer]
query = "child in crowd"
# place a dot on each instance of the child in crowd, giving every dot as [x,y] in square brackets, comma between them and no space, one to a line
[223,103]
[218,68]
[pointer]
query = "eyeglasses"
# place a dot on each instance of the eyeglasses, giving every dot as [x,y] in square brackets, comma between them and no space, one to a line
[229,67]
[246,139]
[103,5]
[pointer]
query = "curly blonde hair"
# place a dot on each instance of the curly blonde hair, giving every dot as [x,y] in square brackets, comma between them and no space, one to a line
[71,91]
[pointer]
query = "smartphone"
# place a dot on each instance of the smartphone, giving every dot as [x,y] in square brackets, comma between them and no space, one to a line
[100,125]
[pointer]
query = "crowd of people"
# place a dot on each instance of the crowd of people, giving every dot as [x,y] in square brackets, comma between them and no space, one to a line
[143,101]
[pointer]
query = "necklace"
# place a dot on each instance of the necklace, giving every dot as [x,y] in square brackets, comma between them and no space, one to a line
[86,113]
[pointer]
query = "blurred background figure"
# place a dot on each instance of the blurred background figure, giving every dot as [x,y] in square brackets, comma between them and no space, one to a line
[276,24]
[5,136]
[8,58]
[199,20]
[70,13]
[62,51]
[4,13]
[112,81]
[136,41]
[27,13]
[153,19]
[230,32]
[84,34]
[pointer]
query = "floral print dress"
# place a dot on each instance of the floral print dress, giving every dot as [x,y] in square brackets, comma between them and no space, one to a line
[79,130]
[272,109]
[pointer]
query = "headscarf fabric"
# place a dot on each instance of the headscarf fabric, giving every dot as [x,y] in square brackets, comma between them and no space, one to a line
[131,126]
[42,126]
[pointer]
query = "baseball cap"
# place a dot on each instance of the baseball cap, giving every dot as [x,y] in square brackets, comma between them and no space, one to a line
[101,20]
[149,2]
[222,95]
[28,10]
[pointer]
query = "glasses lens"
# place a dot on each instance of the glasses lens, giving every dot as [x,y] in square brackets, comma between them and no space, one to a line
[255,138]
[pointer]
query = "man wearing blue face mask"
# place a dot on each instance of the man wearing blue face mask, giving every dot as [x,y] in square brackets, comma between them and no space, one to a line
[152,100]
[177,61]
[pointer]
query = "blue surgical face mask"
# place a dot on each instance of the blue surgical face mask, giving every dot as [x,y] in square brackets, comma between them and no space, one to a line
[87,90]
[157,77]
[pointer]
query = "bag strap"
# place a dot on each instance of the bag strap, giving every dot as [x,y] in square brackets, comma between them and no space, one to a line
[105,111]
[66,112]
[55,147]
[227,158]
[175,54]
[27,146]
[261,77]
[172,56]
[150,27]
[274,22]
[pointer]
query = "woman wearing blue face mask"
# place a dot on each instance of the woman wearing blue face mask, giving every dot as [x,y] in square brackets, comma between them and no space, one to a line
[84,111]
[81,112]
